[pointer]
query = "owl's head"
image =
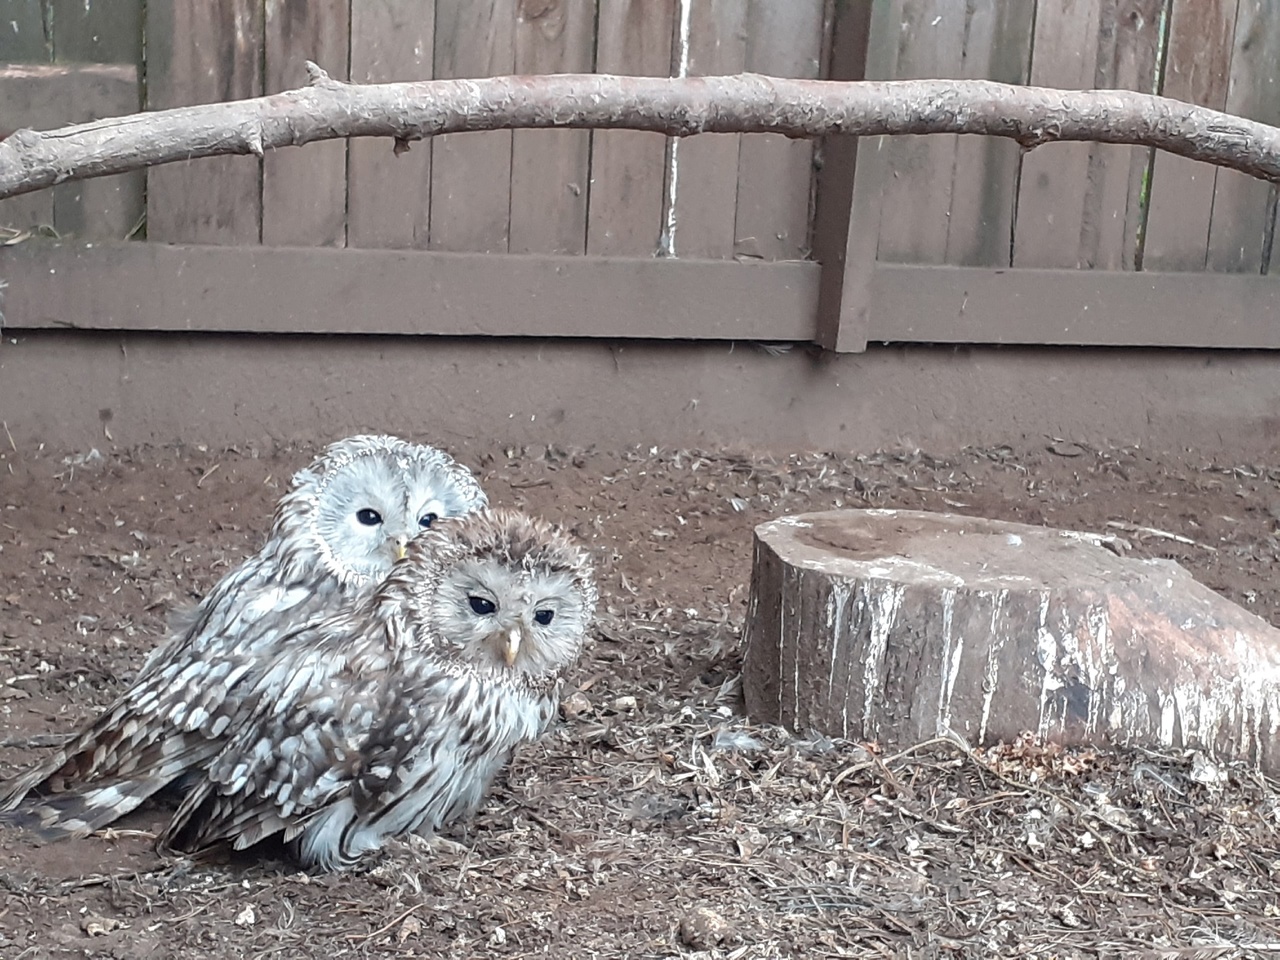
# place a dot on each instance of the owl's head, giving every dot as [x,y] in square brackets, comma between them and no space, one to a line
[498,590]
[356,506]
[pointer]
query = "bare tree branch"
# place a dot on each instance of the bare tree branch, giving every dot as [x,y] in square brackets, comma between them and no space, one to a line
[326,109]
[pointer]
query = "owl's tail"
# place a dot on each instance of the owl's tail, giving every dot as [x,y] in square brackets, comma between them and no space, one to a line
[78,814]
[104,774]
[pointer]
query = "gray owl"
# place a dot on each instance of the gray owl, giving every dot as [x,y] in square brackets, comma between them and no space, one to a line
[335,535]
[387,719]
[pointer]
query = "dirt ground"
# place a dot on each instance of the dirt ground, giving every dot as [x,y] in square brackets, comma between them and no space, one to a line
[654,821]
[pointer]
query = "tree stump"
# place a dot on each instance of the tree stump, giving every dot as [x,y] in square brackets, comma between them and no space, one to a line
[896,625]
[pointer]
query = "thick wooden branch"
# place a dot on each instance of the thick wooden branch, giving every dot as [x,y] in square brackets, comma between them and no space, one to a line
[326,109]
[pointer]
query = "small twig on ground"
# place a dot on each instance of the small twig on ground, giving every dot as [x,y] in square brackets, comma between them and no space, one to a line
[1162,534]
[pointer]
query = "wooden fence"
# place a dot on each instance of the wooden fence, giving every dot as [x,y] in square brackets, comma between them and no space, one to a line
[629,234]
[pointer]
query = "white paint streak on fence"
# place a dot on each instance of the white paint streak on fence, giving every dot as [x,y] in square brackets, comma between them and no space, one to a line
[884,601]
[667,242]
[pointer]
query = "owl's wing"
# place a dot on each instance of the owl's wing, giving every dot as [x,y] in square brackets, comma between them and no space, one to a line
[173,720]
[317,736]
[244,611]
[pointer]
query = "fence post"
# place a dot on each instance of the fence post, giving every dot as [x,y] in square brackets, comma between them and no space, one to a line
[847,214]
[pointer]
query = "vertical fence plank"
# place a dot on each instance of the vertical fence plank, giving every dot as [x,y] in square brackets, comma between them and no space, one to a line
[199,51]
[1129,44]
[22,40]
[99,31]
[775,174]
[22,36]
[980,228]
[844,310]
[389,196]
[549,168]
[1055,177]
[930,36]
[706,196]
[471,172]
[1197,70]
[1079,204]
[304,192]
[1241,204]
[628,175]
[849,184]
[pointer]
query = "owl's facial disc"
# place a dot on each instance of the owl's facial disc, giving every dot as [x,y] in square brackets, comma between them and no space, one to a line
[510,620]
[361,517]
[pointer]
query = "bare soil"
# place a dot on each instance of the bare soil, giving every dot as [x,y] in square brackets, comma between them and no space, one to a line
[655,821]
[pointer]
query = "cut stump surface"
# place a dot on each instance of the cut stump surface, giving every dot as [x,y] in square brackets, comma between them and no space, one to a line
[896,625]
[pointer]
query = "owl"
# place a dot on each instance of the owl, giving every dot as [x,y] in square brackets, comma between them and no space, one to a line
[389,718]
[335,535]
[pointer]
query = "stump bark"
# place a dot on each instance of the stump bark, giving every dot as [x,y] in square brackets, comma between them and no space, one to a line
[898,625]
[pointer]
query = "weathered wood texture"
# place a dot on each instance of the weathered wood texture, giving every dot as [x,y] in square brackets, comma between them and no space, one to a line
[923,304]
[87,32]
[43,96]
[898,626]
[1197,70]
[706,191]
[775,173]
[257,289]
[304,195]
[389,195]
[550,168]
[471,172]
[628,167]
[24,38]
[1079,205]
[1244,210]
[202,51]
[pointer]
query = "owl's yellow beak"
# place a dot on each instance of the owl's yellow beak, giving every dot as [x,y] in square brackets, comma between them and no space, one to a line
[399,546]
[511,647]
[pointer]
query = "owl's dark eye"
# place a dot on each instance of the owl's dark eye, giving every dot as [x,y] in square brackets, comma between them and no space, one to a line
[543,617]
[427,520]
[370,518]
[481,606]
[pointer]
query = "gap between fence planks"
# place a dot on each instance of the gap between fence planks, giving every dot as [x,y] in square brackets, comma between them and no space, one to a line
[326,109]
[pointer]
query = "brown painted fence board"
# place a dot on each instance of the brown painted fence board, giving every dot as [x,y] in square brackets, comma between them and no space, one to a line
[984,185]
[100,31]
[1128,50]
[775,174]
[389,196]
[45,96]
[930,35]
[1241,205]
[933,304]
[706,188]
[471,172]
[550,168]
[22,37]
[1055,177]
[151,286]
[847,272]
[203,51]
[1197,70]
[628,167]
[1079,204]
[304,192]
[834,239]
[97,31]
